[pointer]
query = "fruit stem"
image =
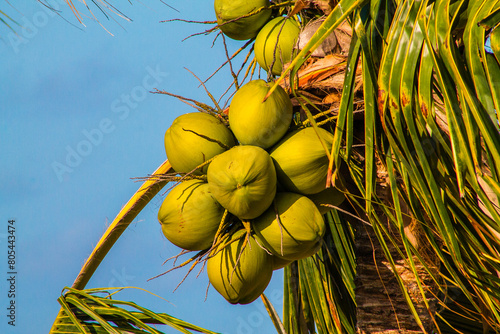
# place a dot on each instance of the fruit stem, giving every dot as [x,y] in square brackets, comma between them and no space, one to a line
[279,224]
[248,227]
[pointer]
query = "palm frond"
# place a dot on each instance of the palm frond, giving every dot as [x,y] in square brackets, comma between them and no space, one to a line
[273,314]
[6,20]
[319,291]
[82,11]
[95,311]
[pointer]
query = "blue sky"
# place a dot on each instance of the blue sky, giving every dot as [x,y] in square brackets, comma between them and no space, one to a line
[76,125]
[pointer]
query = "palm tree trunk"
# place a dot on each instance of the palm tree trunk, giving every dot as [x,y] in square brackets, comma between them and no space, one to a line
[381,306]
[381,303]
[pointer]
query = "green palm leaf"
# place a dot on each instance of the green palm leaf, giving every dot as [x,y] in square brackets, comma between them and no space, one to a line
[84,311]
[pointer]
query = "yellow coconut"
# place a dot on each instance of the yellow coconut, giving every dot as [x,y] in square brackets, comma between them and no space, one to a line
[292,229]
[243,180]
[279,263]
[274,45]
[190,215]
[194,138]
[258,122]
[301,160]
[234,19]
[240,274]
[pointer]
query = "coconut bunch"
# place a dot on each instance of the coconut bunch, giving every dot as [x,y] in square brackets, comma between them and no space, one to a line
[250,189]
[251,182]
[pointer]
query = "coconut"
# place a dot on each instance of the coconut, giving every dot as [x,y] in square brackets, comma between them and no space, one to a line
[194,138]
[243,180]
[243,27]
[301,160]
[279,263]
[258,122]
[329,196]
[190,215]
[292,229]
[274,45]
[240,274]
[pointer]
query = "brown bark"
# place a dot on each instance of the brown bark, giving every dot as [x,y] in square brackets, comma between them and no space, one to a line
[381,305]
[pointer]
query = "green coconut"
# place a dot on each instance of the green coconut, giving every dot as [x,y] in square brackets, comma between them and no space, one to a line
[190,215]
[243,27]
[274,45]
[194,138]
[258,122]
[240,274]
[326,198]
[243,180]
[292,229]
[301,160]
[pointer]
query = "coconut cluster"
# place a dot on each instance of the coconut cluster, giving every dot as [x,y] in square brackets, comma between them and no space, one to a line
[253,190]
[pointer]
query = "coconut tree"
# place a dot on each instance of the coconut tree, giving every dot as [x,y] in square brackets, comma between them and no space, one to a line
[410,94]
[423,197]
